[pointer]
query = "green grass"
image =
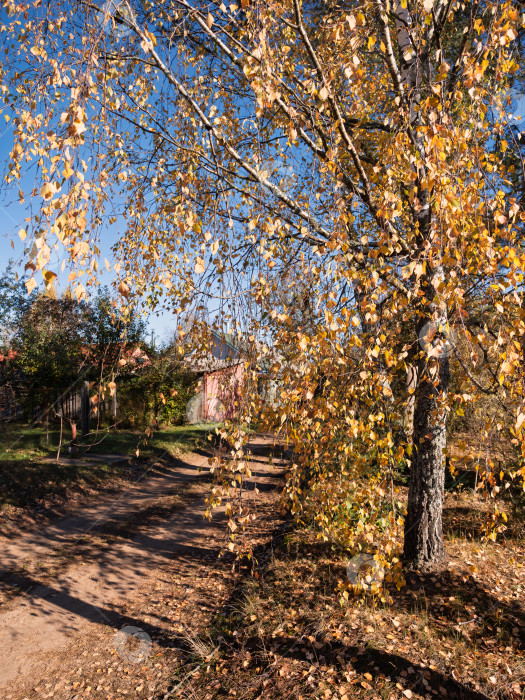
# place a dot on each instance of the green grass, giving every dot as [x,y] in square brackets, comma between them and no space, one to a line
[173,439]
[29,481]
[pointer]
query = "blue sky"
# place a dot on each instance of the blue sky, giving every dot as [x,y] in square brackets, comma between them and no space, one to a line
[12,219]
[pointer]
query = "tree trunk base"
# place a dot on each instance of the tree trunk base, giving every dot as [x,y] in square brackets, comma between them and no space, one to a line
[425,566]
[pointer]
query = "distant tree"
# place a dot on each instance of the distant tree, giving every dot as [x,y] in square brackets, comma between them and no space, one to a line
[158,391]
[48,347]
[14,303]
[106,335]
[54,341]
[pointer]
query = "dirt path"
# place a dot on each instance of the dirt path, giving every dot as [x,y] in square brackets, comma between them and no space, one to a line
[14,552]
[43,625]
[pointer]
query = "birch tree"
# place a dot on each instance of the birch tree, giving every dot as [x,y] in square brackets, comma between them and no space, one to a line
[233,147]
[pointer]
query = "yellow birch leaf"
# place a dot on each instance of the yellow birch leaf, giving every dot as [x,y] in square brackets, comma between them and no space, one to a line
[48,276]
[80,292]
[123,289]
[48,190]
[67,171]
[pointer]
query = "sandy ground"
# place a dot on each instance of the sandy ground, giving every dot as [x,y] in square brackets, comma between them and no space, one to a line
[43,625]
